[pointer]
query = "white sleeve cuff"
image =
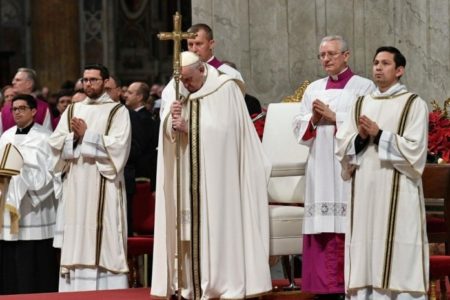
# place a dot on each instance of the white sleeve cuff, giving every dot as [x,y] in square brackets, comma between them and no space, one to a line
[387,148]
[93,146]
[353,158]
[69,151]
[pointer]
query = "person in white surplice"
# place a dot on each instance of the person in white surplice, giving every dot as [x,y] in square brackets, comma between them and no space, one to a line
[382,146]
[224,175]
[28,262]
[324,106]
[91,146]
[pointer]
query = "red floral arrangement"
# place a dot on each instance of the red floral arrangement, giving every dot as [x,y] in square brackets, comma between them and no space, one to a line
[439,134]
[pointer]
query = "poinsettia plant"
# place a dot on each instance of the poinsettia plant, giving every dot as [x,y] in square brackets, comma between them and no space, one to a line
[439,134]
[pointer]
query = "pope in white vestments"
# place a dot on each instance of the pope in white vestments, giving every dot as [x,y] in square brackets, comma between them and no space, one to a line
[93,253]
[386,241]
[168,92]
[224,173]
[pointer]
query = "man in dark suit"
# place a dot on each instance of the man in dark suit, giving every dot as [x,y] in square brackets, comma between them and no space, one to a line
[138,140]
[135,99]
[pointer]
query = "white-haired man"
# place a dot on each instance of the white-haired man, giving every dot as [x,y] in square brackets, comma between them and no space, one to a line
[325,105]
[25,82]
[225,229]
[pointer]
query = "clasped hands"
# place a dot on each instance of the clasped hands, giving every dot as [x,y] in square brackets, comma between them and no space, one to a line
[79,127]
[367,127]
[322,110]
[178,123]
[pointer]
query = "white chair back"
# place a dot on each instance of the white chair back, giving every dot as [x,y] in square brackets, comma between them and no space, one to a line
[288,157]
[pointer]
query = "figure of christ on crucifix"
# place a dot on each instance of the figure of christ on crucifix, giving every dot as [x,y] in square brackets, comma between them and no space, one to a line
[223,212]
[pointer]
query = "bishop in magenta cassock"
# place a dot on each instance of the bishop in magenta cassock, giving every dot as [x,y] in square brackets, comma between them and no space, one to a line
[325,104]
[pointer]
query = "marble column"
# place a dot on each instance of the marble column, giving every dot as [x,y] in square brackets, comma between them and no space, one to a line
[275,42]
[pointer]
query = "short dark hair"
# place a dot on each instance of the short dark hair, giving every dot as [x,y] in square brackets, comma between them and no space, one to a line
[103,70]
[31,101]
[399,59]
[116,80]
[202,26]
[64,92]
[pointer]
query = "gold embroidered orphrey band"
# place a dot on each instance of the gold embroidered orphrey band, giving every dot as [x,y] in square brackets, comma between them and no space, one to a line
[394,200]
[101,196]
[194,134]
[395,186]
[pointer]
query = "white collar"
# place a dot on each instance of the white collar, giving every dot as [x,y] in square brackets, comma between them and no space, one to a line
[395,89]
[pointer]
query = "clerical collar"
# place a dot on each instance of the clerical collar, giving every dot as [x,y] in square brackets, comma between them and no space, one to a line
[24,130]
[340,80]
[213,61]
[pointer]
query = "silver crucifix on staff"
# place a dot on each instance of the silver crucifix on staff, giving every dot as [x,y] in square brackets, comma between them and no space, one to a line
[177,36]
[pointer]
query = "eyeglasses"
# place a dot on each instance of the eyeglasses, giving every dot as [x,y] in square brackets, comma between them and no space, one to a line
[91,80]
[21,108]
[323,55]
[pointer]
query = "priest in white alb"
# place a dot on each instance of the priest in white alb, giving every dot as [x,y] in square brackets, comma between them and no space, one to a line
[383,148]
[224,173]
[325,105]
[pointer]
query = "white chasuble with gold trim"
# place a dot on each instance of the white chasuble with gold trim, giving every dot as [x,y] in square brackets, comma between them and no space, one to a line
[225,219]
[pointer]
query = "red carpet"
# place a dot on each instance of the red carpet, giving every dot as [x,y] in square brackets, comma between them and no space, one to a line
[144,293]
[132,294]
[128,294]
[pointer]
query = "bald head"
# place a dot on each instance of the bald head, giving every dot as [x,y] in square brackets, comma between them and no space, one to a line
[137,95]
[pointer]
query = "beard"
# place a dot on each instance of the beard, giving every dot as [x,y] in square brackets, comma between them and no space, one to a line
[93,92]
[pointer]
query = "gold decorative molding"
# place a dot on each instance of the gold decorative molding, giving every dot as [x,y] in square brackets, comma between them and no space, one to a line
[298,94]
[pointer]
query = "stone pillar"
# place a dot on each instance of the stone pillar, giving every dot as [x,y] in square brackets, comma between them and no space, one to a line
[275,42]
[55,41]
